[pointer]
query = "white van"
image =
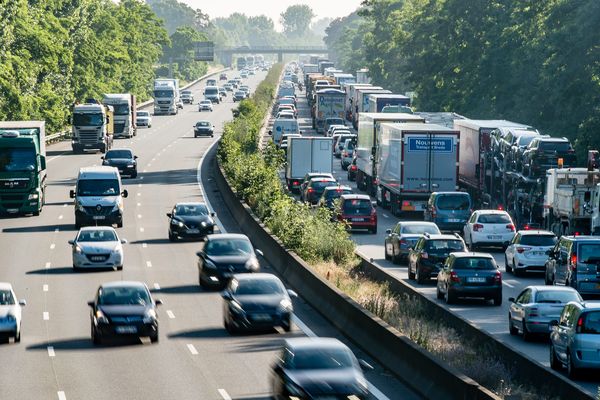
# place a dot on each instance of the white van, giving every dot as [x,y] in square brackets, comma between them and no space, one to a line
[98,197]
[284,125]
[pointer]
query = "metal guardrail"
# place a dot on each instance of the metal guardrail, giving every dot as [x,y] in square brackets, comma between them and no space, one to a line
[56,137]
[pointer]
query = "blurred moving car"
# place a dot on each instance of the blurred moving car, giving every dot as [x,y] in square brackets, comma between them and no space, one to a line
[143,118]
[405,235]
[205,105]
[528,251]
[10,312]
[97,247]
[190,221]
[204,128]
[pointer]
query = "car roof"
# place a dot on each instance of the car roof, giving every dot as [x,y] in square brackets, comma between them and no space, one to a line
[339,187]
[450,193]
[354,196]
[256,276]
[542,288]
[309,174]
[203,120]
[535,232]
[583,238]
[5,286]
[123,284]
[443,236]
[552,139]
[120,149]
[322,178]
[591,305]
[97,228]
[190,203]
[491,211]
[216,236]
[468,254]
[302,343]
[420,223]
[205,101]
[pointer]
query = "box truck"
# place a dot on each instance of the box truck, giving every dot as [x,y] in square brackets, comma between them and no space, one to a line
[124,108]
[307,154]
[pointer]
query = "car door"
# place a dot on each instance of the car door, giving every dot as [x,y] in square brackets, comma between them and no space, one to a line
[395,239]
[562,333]
[442,278]
[511,249]
[560,263]
[469,225]
[414,253]
[517,308]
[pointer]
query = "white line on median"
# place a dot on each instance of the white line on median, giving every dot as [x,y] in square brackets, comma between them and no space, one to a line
[192,349]
[52,246]
[51,351]
[170,314]
[224,394]
[508,284]
[144,245]
[46,316]
[139,216]
[141,229]
[60,217]
[139,204]
[62,396]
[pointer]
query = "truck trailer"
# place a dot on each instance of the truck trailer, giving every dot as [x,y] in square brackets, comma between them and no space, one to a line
[124,108]
[307,154]
[329,104]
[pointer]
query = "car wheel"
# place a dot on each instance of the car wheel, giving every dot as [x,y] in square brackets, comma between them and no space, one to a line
[201,282]
[373,230]
[527,336]
[134,175]
[232,330]
[511,328]
[507,266]
[387,254]
[498,300]
[395,258]
[449,297]
[411,274]
[172,237]
[516,271]
[439,293]
[18,335]
[419,276]
[95,337]
[119,268]
[472,245]
[287,325]
[120,224]
[572,372]
[154,338]
[555,363]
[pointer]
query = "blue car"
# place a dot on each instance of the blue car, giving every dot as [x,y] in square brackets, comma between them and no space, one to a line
[449,210]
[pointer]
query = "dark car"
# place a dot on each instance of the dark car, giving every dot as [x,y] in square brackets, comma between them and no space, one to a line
[123,160]
[429,255]
[449,210]
[331,194]
[470,275]
[404,236]
[575,262]
[257,301]
[239,95]
[358,212]
[315,187]
[318,368]
[309,176]
[518,148]
[123,308]
[190,220]
[204,128]
[222,256]
[543,153]
[223,77]
[507,141]
[352,168]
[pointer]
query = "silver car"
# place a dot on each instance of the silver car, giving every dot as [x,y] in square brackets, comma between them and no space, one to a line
[347,153]
[143,118]
[536,306]
[97,247]
[10,312]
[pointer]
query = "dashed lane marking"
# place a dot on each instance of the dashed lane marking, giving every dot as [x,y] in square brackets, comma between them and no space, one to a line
[45,288]
[46,316]
[148,264]
[192,349]
[51,351]
[170,314]
[224,394]
[156,286]
[62,396]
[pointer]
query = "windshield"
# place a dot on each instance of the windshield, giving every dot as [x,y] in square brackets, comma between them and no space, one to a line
[349,145]
[555,146]
[203,123]
[494,219]
[444,246]
[357,206]
[191,209]
[420,229]
[228,247]
[474,263]
[557,296]
[454,202]
[321,358]
[98,187]
[321,185]
[143,113]
[118,154]
[123,296]
[163,93]
[121,109]
[97,236]
[80,119]
[538,240]
[524,141]
[589,253]
[6,298]
[334,194]
[15,159]
[186,93]
[255,286]
[211,91]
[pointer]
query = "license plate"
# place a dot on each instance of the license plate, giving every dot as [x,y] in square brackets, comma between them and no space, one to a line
[453,220]
[96,217]
[538,253]
[494,237]
[192,231]
[357,219]
[97,258]
[12,210]
[126,329]
[261,317]
[476,279]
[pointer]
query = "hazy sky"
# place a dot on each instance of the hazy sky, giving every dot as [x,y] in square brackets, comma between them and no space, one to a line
[272,8]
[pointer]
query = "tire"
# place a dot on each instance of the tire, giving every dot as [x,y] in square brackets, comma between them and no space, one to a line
[134,175]
[119,268]
[396,258]
[96,339]
[511,328]
[373,230]
[572,372]
[201,282]
[498,300]
[154,338]
[555,363]
[387,256]
[527,336]
[420,279]
[439,295]
[515,270]
[172,237]
[449,297]
[120,223]
[507,267]
[18,335]
[411,275]
[287,326]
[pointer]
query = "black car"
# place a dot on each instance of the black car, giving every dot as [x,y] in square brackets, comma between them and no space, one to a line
[543,153]
[429,255]
[224,255]
[125,309]
[239,95]
[314,189]
[403,236]
[331,194]
[318,368]
[257,301]
[204,128]
[123,160]
[190,220]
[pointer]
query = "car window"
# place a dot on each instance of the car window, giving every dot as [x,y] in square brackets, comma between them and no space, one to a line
[321,184]
[524,297]
[97,236]
[228,247]
[203,123]
[191,209]
[98,187]
[6,298]
[589,253]
[397,229]
[143,113]
[321,358]
[524,140]
[558,146]
[357,206]
[458,202]
[444,245]
[556,296]
[420,229]
[494,219]
[473,218]
[123,296]
[572,316]
[258,287]
[516,238]
[474,263]
[591,322]
[538,240]
[118,154]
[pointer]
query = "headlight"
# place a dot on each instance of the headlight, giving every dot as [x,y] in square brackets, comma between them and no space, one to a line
[150,317]
[252,264]
[285,305]
[78,249]
[79,207]
[177,223]
[203,224]
[101,318]
[130,165]
[236,307]
[209,264]
[33,196]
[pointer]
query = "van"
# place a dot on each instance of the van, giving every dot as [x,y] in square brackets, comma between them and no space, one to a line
[98,197]
[212,93]
[281,126]
[575,262]
[449,210]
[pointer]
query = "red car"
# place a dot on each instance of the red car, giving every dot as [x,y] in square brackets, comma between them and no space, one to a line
[358,211]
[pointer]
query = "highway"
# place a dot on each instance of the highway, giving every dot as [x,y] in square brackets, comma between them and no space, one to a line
[482,314]
[195,357]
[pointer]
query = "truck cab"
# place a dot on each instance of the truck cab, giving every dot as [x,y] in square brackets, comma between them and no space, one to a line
[124,109]
[166,96]
[93,127]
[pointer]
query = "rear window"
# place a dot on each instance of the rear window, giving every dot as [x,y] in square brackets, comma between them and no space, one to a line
[556,296]
[591,322]
[557,146]
[420,229]
[538,240]
[494,219]
[589,253]
[474,263]
[322,184]
[455,202]
[357,206]
[334,194]
[444,246]
[524,141]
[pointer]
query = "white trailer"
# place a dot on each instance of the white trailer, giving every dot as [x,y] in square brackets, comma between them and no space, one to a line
[307,154]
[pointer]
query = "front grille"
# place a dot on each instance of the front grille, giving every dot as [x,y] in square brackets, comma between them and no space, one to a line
[233,267]
[14,183]
[120,127]
[102,210]
[13,197]
[127,320]
[97,257]
[166,103]
[88,136]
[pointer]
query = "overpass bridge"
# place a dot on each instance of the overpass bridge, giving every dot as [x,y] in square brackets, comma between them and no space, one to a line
[226,54]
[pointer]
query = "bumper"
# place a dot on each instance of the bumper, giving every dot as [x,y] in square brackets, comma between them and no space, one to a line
[451,226]
[88,146]
[531,264]
[587,288]
[184,233]
[19,206]
[131,330]
[82,261]
[361,224]
[490,239]
[258,320]
[475,291]
[542,327]
[8,327]
[203,133]
[126,171]
[142,123]
[115,217]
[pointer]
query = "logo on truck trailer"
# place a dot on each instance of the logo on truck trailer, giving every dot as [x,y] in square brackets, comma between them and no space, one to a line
[424,144]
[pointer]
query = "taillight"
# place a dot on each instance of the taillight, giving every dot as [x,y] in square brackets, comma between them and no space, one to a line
[295,183]
[510,227]
[498,277]
[533,312]
[500,207]
[310,190]
[403,242]
[573,262]
[477,227]
[520,249]
[454,277]
[353,168]
[345,154]
[433,213]
[579,324]
[406,203]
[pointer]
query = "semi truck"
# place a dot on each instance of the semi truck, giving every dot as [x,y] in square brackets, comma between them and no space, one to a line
[362,76]
[343,79]
[329,104]
[124,106]
[360,100]
[307,154]
[367,146]
[166,96]
[22,167]
[414,160]
[349,89]
[92,127]
[324,64]
[379,100]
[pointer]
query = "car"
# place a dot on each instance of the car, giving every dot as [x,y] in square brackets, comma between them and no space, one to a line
[190,221]
[518,148]
[357,212]
[257,301]
[222,92]
[223,77]
[123,309]
[405,235]
[429,254]
[287,107]
[233,83]
[536,306]
[244,74]
[449,210]
[544,152]
[239,95]
[123,160]
[251,71]
[507,141]
[290,100]
[180,103]
[143,118]
[205,105]
[352,168]
[331,194]
[339,140]
[311,175]
[212,93]
[575,338]
[245,88]
[334,121]
[228,87]
[347,153]
[318,368]
[285,114]
[339,129]
[469,275]
[10,312]
[489,228]
[335,126]
[223,255]
[97,247]
[575,262]
[204,128]
[187,96]
[211,82]
[314,189]
[528,251]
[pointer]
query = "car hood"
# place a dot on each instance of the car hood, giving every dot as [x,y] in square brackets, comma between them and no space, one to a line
[234,263]
[194,219]
[98,247]
[118,161]
[259,302]
[125,309]
[12,309]
[324,382]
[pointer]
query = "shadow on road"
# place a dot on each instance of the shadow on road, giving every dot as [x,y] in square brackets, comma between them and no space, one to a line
[208,333]
[42,228]
[183,289]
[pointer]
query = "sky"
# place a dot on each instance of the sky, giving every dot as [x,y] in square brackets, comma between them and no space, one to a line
[273,8]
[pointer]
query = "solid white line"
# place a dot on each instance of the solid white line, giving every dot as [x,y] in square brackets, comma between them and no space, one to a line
[52,246]
[139,194]
[47,265]
[54,158]
[51,351]
[156,286]
[148,264]
[199,181]
[45,288]
[141,178]
[62,396]
[139,204]
[224,394]
[192,349]
[170,314]
[46,316]
[140,216]
[64,205]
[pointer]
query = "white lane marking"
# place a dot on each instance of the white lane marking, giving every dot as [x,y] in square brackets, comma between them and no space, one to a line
[141,229]
[62,396]
[224,394]
[60,217]
[56,229]
[148,264]
[51,351]
[141,178]
[192,349]
[58,156]
[144,245]
[149,165]
[144,171]
[139,194]
[139,216]
[139,204]
[64,205]
[156,286]
[170,314]
[46,316]
[47,265]
[45,288]
[385,215]
[508,284]
[52,246]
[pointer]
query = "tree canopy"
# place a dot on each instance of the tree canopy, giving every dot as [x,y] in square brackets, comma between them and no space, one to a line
[296,20]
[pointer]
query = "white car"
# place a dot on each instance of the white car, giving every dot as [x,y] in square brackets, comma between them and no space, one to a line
[333,127]
[10,312]
[97,247]
[205,105]
[143,118]
[527,251]
[285,115]
[489,228]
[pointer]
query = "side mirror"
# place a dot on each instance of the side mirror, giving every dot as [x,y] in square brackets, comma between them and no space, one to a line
[259,252]
[22,302]
[43,162]
[72,194]
[123,241]
[549,252]
[71,242]
[90,303]
[374,203]
[125,193]
[135,157]
[213,214]
[158,302]
[511,299]
[102,158]
[388,231]
[226,295]
[270,132]
[199,253]
[292,294]
[169,215]
[365,365]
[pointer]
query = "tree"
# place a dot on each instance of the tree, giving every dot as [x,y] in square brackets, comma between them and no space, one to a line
[296,20]
[181,52]
[319,26]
